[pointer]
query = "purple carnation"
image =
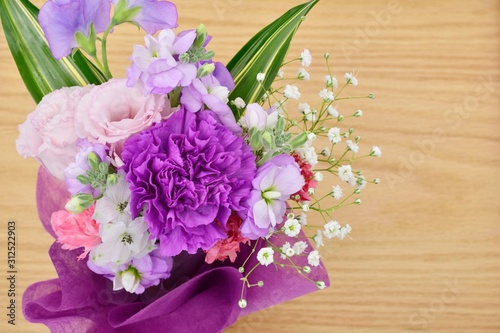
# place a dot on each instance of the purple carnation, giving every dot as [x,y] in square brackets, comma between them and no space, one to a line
[188,173]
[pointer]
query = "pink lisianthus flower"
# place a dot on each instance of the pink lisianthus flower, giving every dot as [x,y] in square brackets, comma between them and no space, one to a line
[112,112]
[76,230]
[227,248]
[48,134]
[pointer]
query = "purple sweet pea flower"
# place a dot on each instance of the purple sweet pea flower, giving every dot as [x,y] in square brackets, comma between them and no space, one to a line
[61,19]
[154,15]
[156,65]
[81,166]
[186,175]
[274,182]
[208,91]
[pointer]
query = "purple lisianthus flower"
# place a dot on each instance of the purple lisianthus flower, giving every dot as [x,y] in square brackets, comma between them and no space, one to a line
[154,15]
[186,175]
[81,166]
[274,182]
[157,65]
[208,91]
[61,19]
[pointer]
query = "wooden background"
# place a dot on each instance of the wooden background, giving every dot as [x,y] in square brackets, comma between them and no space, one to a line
[425,254]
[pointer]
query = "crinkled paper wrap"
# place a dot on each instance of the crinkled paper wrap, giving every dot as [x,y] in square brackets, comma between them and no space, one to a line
[196,298]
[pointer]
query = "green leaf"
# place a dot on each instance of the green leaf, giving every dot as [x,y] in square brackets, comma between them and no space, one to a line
[264,53]
[40,71]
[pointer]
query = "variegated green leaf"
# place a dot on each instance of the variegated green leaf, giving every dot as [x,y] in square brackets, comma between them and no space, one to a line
[264,53]
[41,73]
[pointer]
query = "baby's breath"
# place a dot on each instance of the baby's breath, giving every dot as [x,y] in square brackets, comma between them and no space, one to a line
[337,184]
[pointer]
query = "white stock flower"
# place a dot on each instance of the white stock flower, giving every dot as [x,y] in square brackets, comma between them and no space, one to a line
[121,242]
[114,205]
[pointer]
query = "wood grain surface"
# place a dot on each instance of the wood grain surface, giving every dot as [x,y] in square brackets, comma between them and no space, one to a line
[425,253]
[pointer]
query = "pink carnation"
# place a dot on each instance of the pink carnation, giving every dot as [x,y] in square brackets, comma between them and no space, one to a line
[48,134]
[308,175]
[76,230]
[112,112]
[231,245]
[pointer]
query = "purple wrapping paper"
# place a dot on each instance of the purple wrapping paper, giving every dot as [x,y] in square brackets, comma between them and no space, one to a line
[196,298]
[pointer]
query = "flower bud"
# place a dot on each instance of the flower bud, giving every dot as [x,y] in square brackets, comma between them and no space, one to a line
[242,303]
[93,160]
[320,285]
[201,36]
[78,203]
[128,279]
[205,70]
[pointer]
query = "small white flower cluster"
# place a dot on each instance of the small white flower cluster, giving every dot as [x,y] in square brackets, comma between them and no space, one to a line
[336,159]
[331,230]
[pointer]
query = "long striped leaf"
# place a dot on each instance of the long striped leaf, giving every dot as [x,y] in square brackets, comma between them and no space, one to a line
[264,53]
[39,70]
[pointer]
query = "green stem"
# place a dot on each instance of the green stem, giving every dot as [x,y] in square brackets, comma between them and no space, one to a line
[107,72]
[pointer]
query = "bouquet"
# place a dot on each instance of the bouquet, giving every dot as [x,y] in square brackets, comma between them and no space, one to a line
[184,189]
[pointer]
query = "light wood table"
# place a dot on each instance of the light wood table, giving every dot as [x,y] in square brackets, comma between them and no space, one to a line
[425,253]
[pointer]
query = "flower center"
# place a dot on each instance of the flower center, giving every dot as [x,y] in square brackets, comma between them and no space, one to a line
[271,195]
[121,206]
[127,239]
